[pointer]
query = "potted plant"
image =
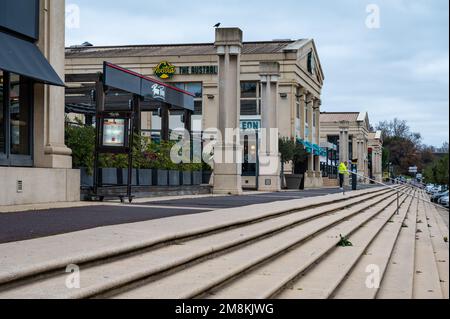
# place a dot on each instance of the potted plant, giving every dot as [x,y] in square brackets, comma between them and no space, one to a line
[291,151]
[81,139]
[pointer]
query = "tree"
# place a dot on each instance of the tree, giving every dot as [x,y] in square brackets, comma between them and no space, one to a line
[438,171]
[402,146]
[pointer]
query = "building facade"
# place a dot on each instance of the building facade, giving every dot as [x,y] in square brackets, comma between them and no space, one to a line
[35,165]
[352,134]
[195,68]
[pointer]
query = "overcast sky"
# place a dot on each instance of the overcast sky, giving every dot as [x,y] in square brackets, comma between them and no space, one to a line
[400,69]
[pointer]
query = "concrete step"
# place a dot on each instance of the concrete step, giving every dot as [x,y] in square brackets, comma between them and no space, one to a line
[26,260]
[322,280]
[198,279]
[426,276]
[106,274]
[438,232]
[287,268]
[397,282]
[364,279]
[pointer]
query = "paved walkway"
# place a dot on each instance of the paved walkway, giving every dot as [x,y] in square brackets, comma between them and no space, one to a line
[19,226]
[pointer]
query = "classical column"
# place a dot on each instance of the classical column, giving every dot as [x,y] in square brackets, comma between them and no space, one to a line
[269,157]
[50,150]
[317,104]
[302,113]
[343,142]
[310,108]
[227,168]
[360,156]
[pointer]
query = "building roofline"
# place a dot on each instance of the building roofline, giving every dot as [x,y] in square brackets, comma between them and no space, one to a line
[171,45]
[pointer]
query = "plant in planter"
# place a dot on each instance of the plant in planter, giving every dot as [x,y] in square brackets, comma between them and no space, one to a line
[206,173]
[81,139]
[291,151]
[287,150]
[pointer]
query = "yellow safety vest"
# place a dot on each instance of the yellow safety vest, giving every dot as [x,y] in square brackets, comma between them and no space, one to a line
[343,169]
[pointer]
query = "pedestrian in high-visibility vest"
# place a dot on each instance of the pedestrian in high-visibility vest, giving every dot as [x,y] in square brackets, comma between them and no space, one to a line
[342,169]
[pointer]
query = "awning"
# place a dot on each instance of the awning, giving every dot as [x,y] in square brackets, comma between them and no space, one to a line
[317,149]
[129,81]
[24,58]
[308,146]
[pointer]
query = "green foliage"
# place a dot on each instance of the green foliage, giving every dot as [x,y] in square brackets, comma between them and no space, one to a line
[146,153]
[287,149]
[437,172]
[81,140]
[291,150]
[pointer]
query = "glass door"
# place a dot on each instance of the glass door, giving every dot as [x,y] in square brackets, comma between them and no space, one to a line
[2,119]
[16,120]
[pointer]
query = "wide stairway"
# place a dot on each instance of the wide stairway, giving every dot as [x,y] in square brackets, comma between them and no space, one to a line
[359,246]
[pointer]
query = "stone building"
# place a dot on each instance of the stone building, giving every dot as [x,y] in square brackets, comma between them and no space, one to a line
[351,132]
[291,67]
[35,165]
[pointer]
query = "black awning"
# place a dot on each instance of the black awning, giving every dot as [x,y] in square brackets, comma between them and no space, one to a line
[129,81]
[25,58]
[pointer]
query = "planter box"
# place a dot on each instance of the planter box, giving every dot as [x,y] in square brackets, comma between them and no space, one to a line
[160,177]
[123,179]
[108,176]
[186,178]
[145,177]
[174,178]
[206,177]
[197,177]
[86,180]
[293,181]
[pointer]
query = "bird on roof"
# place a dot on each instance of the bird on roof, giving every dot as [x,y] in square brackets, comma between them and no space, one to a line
[217,25]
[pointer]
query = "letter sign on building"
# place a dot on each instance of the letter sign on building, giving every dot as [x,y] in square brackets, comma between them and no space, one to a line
[165,70]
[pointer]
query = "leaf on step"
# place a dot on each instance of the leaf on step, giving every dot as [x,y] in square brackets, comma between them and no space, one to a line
[344,242]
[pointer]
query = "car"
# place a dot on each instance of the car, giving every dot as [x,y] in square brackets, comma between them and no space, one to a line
[444,201]
[440,199]
[428,188]
[435,197]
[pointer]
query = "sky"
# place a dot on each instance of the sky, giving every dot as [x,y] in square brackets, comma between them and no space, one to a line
[391,59]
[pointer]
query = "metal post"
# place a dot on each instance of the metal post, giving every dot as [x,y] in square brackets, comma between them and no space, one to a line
[398,203]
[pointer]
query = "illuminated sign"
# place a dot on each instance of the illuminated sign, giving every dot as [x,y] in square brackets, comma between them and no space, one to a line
[165,70]
[114,132]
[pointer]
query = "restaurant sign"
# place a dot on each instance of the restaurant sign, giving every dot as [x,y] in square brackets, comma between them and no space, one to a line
[165,70]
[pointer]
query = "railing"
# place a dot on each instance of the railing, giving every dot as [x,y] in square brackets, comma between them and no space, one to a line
[398,191]
[329,171]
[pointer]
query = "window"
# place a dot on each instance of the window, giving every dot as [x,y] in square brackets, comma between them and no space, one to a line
[15,120]
[2,120]
[297,106]
[195,88]
[250,98]
[311,63]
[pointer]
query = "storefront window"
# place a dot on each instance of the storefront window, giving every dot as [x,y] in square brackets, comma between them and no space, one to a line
[2,110]
[15,120]
[19,112]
